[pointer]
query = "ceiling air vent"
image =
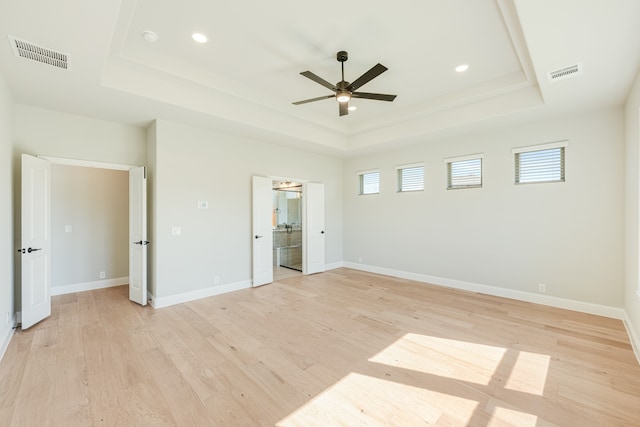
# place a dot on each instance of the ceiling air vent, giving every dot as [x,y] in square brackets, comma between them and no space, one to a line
[38,53]
[565,73]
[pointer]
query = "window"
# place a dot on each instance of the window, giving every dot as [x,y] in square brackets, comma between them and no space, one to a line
[410,177]
[369,182]
[464,172]
[541,163]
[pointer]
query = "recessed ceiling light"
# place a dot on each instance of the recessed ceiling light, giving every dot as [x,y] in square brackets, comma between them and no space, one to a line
[199,37]
[150,36]
[462,68]
[352,108]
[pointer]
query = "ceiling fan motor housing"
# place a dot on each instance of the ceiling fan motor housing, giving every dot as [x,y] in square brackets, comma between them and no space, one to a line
[342,86]
[342,56]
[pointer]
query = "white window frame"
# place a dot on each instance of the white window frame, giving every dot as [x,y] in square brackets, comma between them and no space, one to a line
[540,147]
[361,175]
[399,170]
[449,160]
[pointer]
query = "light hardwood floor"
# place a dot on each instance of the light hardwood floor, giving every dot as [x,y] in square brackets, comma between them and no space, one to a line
[343,348]
[280,273]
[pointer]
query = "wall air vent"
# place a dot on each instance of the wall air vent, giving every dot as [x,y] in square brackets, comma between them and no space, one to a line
[565,73]
[38,53]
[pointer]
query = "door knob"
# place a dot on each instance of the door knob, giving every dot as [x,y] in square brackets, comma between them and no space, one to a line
[322,232]
[258,237]
[33,249]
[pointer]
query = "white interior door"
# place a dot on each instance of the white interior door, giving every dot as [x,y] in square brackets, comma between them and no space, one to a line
[314,193]
[138,235]
[35,240]
[262,233]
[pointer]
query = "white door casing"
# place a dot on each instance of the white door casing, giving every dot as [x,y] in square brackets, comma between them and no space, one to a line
[36,240]
[138,235]
[314,241]
[262,232]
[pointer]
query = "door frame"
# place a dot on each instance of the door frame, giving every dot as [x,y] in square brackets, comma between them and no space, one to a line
[86,163]
[304,183]
[64,161]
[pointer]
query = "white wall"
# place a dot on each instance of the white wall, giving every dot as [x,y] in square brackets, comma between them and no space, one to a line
[6,216]
[52,133]
[632,243]
[194,164]
[568,236]
[95,204]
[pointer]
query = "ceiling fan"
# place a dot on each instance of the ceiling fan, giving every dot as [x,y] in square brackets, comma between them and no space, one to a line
[343,90]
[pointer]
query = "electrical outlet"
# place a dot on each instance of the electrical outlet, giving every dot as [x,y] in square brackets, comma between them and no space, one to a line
[103,274]
[176,231]
[542,288]
[216,280]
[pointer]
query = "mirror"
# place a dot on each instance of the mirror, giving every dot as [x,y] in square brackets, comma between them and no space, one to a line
[287,207]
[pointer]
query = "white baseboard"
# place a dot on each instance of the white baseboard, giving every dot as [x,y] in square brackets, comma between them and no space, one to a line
[333,266]
[212,291]
[200,293]
[633,335]
[584,307]
[89,286]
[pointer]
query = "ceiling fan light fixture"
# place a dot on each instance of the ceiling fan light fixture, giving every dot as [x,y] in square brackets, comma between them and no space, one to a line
[462,68]
[343,96]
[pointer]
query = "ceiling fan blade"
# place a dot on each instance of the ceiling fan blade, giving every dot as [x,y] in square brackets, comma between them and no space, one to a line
[320,98]
[344,108]
[374,72]
[318,79]
[376,96]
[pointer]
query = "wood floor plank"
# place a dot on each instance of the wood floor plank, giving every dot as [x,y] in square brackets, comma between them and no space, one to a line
[340,348]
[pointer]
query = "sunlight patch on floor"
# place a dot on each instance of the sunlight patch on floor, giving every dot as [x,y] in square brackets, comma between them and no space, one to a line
[444,357]
[504,416]
[363,400]
[529,373]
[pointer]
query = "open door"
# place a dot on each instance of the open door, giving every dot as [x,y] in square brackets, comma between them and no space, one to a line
[262,233]
[315,228]
[35,240]
[138,235]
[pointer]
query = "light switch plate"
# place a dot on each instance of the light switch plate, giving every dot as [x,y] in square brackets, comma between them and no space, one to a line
[67,228]
[176,231]
[203,204]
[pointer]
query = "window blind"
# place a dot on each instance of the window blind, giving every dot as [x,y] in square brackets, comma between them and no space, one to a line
[464,173]
[540,166]
[410,178]
[369,182]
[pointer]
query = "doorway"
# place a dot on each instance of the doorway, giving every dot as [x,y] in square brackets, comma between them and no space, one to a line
[286,220]
[89,228]
[264,219]
[36,215]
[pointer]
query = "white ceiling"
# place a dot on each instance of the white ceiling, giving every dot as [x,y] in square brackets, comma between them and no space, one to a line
[246,78]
